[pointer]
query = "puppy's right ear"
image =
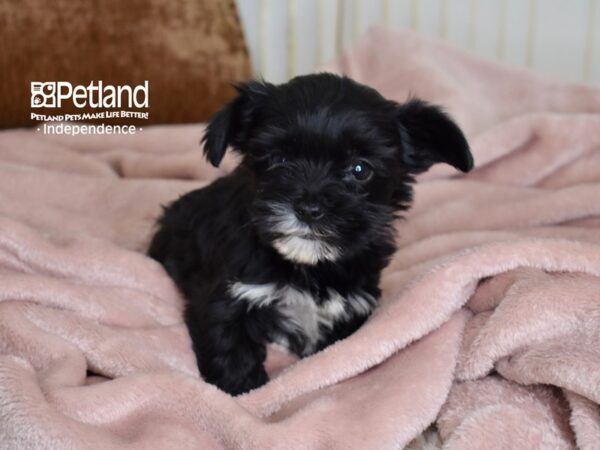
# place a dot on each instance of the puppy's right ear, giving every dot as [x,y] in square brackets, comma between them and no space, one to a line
[230,125]
[431,136]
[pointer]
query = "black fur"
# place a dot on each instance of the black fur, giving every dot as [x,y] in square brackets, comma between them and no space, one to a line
[297,188]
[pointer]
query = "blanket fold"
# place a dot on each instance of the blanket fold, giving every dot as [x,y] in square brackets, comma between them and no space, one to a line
[487,331]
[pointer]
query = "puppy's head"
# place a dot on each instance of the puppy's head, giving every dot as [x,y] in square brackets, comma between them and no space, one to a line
[331,161]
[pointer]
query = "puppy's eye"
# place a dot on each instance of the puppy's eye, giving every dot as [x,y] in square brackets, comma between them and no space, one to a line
[276,159]
[361,170]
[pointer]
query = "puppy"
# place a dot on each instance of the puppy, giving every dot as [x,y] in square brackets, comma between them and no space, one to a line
[289,247]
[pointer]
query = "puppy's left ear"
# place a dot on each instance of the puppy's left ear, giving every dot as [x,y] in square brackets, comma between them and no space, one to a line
[231,125]
[430,136]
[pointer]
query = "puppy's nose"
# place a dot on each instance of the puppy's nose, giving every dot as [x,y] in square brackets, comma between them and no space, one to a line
[309,211]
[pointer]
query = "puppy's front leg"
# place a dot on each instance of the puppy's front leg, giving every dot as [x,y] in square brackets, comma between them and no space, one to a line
[230,351]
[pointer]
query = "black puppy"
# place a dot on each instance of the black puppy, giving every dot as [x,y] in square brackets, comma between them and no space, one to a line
[289,247]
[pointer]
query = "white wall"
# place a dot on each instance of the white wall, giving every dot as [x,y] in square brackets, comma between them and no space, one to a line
[560,38]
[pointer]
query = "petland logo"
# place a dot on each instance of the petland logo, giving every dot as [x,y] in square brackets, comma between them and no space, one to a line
[52,94]
[111,102]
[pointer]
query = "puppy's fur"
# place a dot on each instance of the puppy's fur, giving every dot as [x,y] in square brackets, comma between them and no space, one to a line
[289,247]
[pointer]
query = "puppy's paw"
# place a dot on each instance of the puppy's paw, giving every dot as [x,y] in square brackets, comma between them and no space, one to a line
[235,384]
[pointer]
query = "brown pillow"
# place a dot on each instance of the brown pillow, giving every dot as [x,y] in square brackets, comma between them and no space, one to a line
[190,51]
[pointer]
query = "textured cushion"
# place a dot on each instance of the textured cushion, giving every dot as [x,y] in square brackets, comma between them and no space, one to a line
[190,51]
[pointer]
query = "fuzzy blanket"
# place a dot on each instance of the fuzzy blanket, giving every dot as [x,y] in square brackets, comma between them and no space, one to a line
[489,326]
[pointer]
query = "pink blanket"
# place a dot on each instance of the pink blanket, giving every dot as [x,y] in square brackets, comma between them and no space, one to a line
[489,326]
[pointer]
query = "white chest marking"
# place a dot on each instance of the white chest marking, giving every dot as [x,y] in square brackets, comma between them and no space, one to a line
[304,315]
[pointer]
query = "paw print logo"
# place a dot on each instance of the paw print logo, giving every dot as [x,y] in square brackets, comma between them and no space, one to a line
[43,94]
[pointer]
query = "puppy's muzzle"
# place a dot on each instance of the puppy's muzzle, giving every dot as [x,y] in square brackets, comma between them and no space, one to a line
[309,211]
